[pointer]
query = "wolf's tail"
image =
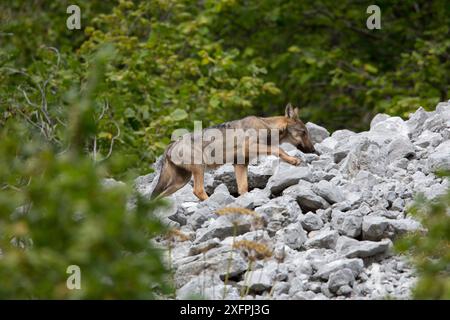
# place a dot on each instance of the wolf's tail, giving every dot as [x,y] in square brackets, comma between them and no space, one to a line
[171,178]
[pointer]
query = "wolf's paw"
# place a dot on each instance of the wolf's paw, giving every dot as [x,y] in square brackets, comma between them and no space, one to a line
[294,161]
[201,195]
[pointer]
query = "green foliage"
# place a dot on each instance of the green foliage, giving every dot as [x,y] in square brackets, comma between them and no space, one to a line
[169,70]
[431,253]
[55,211]
[182,60]
[323,58]
[26,26]
[69,218]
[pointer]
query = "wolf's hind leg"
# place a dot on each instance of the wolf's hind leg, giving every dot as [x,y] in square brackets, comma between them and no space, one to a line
[240,170]
[199,187]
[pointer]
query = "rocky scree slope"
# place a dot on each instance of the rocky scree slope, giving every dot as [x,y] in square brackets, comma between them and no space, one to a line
[322,230]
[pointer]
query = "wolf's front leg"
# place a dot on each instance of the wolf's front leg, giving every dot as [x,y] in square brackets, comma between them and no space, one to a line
[199,188]
[289,159]
[279,152]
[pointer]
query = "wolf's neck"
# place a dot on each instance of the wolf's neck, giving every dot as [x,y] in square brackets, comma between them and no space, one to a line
[278,122]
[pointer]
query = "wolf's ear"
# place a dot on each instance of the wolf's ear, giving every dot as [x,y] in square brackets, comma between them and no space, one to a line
[291,112]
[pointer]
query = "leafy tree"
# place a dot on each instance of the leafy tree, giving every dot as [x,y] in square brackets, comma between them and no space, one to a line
[56,211]
[169,70]
[323,58]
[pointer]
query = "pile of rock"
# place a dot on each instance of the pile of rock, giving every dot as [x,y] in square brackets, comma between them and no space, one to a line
[328,223]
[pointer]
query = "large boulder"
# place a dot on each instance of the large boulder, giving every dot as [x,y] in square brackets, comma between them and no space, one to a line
[438,120]
[223,227]
[346,141]
[217,259]
[258,174]
[323,239]
[347,223]
[257,280]
[293,236]
[376,228]
[330,192]
[440,158]
[367,155]
[340,278]
[416,121]
[279,212]
[351,248]
[389,129]
[254,198]
[326,146]
[287,175]
[355,265]
[311,222]
[317,133]
[220,198]
[400,147]
[306,198]
[380,117]
[428,139]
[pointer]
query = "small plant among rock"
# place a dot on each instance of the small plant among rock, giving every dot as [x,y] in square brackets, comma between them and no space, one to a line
[253,251]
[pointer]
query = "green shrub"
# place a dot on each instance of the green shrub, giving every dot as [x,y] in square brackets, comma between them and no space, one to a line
[56,211]
[430,253]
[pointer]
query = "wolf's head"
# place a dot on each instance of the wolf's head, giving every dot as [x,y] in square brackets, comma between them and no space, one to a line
[296,131]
